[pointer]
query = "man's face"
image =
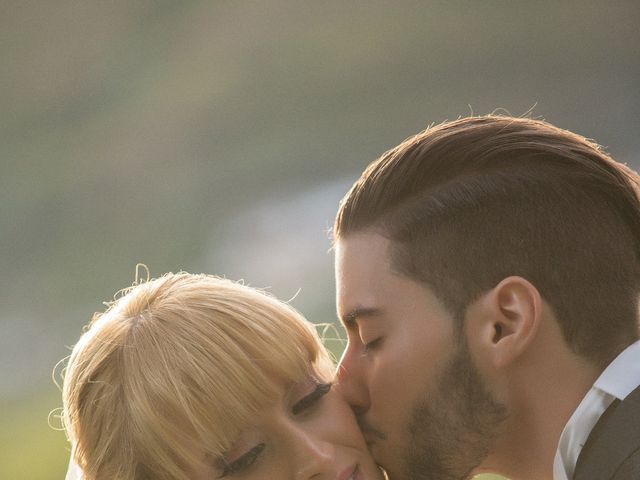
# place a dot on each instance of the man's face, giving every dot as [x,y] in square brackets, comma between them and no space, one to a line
[421,403]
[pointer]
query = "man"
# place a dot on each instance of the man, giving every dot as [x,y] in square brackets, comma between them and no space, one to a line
[488,273]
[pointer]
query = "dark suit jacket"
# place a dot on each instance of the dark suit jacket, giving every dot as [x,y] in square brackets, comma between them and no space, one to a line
[612,451]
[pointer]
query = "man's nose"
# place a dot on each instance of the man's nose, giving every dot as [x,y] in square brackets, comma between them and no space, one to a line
[352,380]
[315,457]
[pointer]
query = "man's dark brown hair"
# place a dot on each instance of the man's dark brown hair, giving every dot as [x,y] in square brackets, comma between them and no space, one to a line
[470,202]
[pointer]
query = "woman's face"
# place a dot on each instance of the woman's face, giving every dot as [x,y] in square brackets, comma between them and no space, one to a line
[311,433]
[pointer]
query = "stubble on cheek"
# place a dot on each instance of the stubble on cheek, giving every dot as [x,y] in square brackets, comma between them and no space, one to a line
[452,429]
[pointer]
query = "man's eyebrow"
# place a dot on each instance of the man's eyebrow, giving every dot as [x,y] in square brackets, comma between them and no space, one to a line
[360,312]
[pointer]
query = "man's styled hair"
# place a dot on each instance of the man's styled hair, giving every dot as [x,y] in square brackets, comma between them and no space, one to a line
[468,203]
[161,384]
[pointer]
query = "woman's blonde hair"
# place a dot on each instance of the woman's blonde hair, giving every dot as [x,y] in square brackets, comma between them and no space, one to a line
[164,380]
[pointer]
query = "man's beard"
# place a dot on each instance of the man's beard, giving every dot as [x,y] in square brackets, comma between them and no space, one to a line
[452,428]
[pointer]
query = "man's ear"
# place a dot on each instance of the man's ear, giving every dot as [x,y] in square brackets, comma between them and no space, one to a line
[503,322]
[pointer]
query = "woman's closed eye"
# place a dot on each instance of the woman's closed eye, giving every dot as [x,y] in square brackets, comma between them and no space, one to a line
[242,463]
[309,400]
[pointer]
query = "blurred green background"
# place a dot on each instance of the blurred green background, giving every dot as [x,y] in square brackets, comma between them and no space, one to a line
[218,137]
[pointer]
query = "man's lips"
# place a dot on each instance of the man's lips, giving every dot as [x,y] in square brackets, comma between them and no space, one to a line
[370,440]
[370,433]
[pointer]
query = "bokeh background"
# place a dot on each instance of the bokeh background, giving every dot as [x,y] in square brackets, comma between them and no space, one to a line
[218,137]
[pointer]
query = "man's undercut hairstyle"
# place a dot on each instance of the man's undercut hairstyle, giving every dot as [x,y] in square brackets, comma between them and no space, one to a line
[468,203]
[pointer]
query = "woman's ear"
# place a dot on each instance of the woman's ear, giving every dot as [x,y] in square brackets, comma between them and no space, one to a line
[502,323]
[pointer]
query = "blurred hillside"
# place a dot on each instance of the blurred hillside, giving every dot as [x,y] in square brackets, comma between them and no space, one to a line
[219,136]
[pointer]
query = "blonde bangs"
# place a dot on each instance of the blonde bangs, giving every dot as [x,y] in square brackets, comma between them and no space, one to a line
[199,357]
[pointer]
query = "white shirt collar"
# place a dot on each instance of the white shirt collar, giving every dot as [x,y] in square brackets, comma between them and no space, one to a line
[622,376]
[617,381]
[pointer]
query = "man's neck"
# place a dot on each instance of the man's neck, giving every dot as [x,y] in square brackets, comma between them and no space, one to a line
[544,396]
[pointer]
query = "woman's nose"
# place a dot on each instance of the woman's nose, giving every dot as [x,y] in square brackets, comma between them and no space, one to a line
[314,457]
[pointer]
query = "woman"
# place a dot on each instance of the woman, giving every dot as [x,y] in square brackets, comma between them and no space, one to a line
[197,377]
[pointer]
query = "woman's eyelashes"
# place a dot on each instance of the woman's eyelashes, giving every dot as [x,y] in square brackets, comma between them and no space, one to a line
[243,462]
[309,400]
